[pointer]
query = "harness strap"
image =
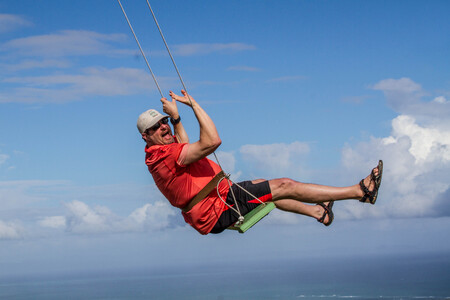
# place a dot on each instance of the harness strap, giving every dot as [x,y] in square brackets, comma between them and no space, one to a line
[204,191]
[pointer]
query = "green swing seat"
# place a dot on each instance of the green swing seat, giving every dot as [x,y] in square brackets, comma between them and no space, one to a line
[250,218]
[254,217]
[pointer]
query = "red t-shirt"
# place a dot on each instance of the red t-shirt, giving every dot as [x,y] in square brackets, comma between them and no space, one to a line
[180,183]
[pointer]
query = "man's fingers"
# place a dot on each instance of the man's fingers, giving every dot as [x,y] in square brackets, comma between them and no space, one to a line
[175,96]
[183,99]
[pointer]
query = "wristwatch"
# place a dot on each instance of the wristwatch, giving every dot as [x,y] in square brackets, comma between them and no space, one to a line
[175,121]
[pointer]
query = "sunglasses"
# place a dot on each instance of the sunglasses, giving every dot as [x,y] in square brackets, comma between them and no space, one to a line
[157,125]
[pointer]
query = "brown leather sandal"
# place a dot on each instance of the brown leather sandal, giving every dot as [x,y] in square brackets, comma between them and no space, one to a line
[328,212]
[372,195]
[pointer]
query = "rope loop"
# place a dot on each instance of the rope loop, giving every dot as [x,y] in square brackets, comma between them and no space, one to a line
[241,218]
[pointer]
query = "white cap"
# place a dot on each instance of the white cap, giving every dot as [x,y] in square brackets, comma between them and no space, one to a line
[148,118]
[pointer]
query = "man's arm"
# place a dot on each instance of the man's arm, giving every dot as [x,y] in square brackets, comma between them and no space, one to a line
[170,108]
[209,137]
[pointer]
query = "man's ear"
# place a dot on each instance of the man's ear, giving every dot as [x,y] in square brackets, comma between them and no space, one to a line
[145,137]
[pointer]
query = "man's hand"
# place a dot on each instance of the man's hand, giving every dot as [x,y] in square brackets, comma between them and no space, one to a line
[209,137]
[185,99]
[170,107]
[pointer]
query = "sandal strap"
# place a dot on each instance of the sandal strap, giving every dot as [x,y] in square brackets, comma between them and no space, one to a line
[368,195]
[325,213]
[376,179]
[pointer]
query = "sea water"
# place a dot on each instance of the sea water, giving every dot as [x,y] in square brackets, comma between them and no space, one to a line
[420,277]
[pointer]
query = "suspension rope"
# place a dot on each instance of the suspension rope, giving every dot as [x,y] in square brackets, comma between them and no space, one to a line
[227,177]
[176,68]
[237,210]
[140,48]
[168,51]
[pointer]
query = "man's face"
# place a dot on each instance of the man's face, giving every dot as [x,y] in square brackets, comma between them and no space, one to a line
[159,134]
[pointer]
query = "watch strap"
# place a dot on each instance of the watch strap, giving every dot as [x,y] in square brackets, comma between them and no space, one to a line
[175,121]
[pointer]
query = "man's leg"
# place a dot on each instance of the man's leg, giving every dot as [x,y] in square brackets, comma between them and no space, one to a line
[295,206]
[285,188]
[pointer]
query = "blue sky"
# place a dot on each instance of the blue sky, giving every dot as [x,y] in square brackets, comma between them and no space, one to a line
[313,90]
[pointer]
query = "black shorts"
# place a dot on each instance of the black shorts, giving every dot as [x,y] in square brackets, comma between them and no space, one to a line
[245,202]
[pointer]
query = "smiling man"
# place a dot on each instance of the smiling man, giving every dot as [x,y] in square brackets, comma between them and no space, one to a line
[182,172]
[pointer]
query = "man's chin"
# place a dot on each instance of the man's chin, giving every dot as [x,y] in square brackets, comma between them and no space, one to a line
[169,141]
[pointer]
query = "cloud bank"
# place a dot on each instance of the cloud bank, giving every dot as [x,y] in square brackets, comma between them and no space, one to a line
[416,154]
[416,180]
[409,98]
[51,53]
[84,219]
[73,87]
[41,209]
[280,159]
[64,43]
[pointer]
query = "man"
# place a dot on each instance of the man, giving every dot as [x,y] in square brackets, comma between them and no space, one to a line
[181,171]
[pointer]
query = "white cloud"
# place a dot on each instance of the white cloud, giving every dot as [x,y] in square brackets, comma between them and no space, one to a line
[281,159]
[202,49]
[49,52]
[82,218]
[155,216]
[10,22]
[398,86]
[56,222]
[228,162]
[427,144]
[401,94]
[440,99]
[37,64]
[416,180]
[69,87]
[10,230]
[406,97]
[64,43]
[38,202]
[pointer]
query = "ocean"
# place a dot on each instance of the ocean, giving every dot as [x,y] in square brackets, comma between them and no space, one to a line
[390,277]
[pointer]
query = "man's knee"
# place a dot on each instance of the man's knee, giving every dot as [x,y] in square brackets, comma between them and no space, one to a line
[283,183]
[281,187]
